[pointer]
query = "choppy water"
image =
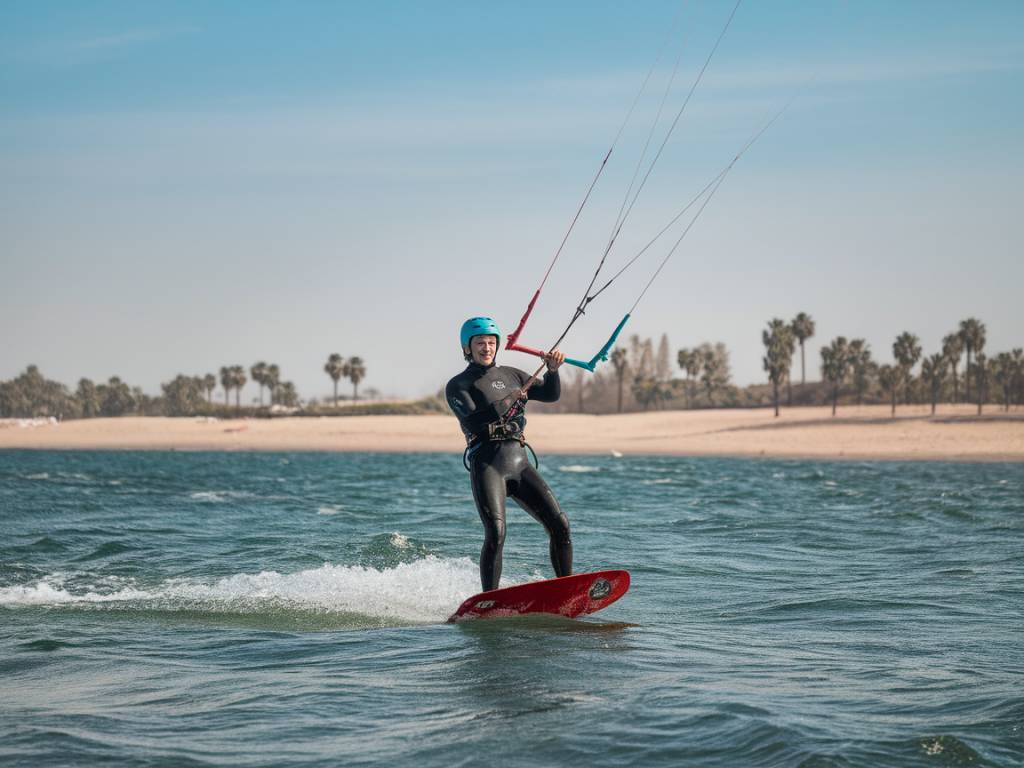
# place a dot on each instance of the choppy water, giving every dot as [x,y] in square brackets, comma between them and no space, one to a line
[287,609]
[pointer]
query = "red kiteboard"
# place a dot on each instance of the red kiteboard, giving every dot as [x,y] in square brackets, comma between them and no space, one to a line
[569,596]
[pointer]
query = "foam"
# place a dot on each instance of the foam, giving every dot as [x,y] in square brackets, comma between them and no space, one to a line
[423,591]
[51,592]
[219,496]
[578,468]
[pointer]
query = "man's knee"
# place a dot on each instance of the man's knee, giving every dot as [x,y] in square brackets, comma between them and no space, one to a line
[560,531]
[494,533]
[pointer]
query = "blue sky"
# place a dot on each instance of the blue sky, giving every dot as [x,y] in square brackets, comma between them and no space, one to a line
[190,185]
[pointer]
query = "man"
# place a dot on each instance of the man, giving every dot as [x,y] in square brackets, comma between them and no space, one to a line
[489,401]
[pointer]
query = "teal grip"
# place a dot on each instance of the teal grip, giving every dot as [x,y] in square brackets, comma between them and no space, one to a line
[603,354]
[581,364]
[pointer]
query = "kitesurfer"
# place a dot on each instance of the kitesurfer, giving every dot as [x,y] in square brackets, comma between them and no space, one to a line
[489,401]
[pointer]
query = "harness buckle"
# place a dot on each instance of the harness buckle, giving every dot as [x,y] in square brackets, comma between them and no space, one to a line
[504,431]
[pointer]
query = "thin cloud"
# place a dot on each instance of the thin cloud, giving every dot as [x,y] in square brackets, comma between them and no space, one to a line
[74,52]
[768,74]
[874,70]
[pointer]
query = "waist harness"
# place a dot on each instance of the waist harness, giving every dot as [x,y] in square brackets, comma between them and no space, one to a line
[499,431]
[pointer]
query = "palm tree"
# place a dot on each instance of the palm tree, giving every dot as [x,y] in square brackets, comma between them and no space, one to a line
[889,378]
[227,381]
[272,378]
[140,400]
[238,381]
[88,398]
[693,368]
[714,366]
[648,390]
[933,371]
[952,349]
[907,351]
[803,329]
[259,375]
[335,368]
[209,384]
[356,372]
[835,362]
[620,365]
[972,333]
[861,365]
[1018,374]
[287,395]
[115,397]
[1004,373]
[983,369]
[690,361]
[777,339]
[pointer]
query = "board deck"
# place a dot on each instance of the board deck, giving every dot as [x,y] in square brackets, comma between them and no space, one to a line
[570,596]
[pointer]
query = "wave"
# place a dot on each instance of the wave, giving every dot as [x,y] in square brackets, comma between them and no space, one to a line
[578,468]
[219,496]
[423,591]
[387,550]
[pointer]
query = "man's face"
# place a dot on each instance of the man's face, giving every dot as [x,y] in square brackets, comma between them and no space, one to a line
[483,349]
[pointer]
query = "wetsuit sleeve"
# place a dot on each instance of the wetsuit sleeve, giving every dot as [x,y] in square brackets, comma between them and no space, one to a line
[472,418]
[546,391]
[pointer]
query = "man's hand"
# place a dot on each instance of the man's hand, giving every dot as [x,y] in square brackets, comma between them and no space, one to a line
[554,359]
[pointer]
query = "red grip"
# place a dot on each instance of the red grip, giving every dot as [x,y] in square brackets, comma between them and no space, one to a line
[510,343]
[527,350]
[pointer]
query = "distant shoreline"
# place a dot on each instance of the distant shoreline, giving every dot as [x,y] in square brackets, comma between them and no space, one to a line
[956,433]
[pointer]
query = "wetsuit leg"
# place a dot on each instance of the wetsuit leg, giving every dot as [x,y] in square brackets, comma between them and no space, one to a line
[489,494]
[533,494]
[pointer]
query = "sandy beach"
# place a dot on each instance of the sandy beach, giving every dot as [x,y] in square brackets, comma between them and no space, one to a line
[955,433]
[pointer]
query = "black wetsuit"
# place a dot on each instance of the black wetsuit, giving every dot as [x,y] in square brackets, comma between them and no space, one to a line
[481,397]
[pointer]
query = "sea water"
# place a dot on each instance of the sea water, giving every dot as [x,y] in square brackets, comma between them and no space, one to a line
[271,609]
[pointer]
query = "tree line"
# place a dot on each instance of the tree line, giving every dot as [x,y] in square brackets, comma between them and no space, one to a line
[31,395]
[849,363]
[641,376]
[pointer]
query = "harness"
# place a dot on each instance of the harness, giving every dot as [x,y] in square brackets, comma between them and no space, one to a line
[499,431]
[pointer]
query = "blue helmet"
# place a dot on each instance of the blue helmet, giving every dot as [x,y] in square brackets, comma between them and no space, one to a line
[478,326]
